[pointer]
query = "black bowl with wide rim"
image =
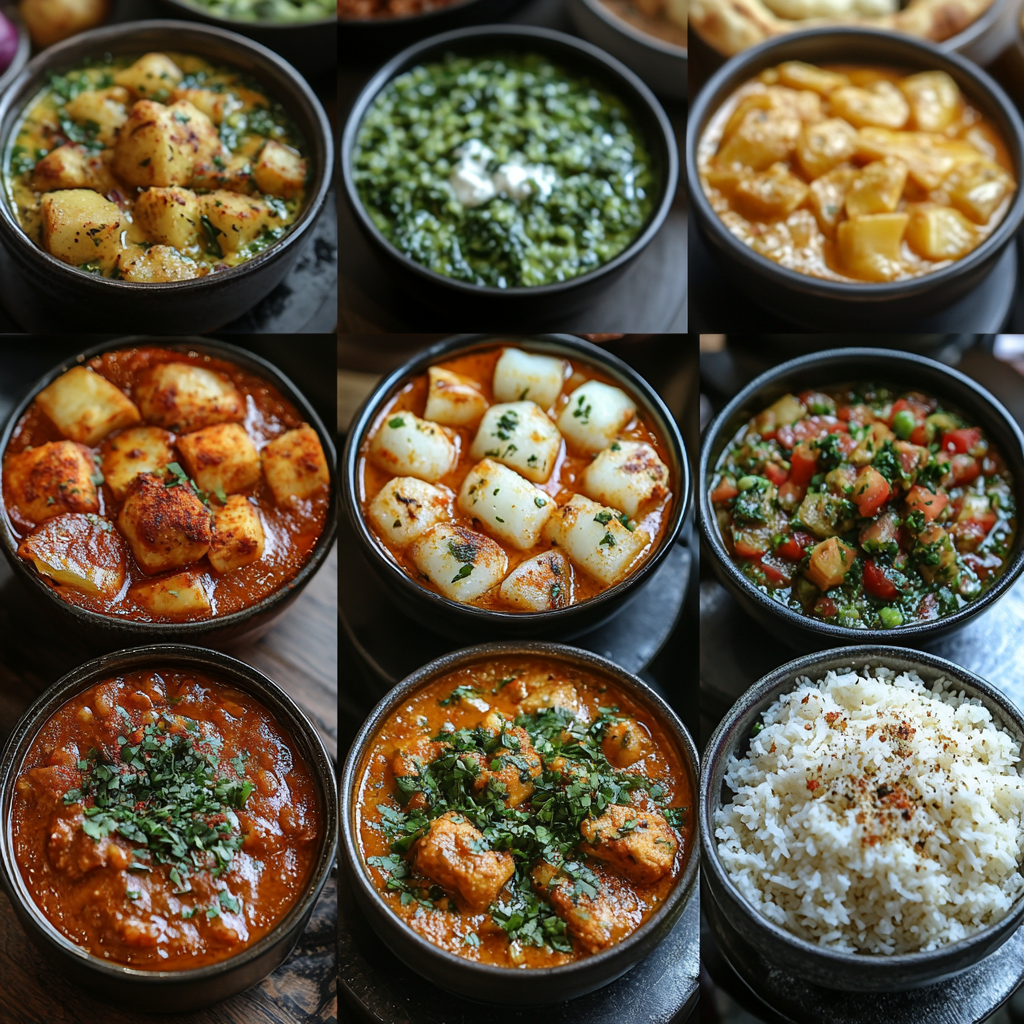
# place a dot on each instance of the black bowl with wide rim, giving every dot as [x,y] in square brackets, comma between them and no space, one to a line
[182,990]
[489,983]
[105,632]
[839,366]
[44,294]
[466,621]
[737,921]
[813,302]
[506,307]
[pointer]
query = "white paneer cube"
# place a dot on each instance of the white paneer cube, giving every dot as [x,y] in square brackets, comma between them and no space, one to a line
[131,452]
[594,415]
[408,446]
[221,459]
[237,535]
[595,538]
[85,406]
[540,583]
[183,397]
[511,508]
[629,476]
[84,552]
[461,563]
[521,436]
[406,507]
[175,597]
[295,465]
[521,375]
[453,399]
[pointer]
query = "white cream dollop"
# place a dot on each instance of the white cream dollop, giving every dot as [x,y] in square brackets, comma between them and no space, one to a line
[473,186]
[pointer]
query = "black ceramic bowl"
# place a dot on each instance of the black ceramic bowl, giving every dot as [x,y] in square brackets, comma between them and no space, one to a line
[466,621]
[105,632]
[168,991]
[44,294]
[488,983]
[737,922]
[815,303]
[506,307]
[837,367]
[20,59]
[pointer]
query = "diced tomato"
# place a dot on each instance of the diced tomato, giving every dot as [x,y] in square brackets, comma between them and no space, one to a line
[962,440]
[725,491]
[778,572]
[847,444]
[775,473]
[793,546]
[964,468]
[859,414]
[920,499]
[983,565]
[825,607]
[810,428]
[920,435]
[876,583]
[912,456]
[870,491]
[929,607]
[969,534]
[751,543]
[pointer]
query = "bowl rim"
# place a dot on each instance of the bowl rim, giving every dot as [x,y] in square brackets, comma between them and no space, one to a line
[826,360]
[821,288]
[226,669]
[766,690]
[546,41]
[45,61]
[578,658]
[200,627]
[637,35]
[586,351]
[221,21]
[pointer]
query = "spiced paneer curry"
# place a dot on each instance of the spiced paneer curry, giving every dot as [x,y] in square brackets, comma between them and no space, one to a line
[164,168]
[159,485]
[855,173]
[515,481]
[523,813]
[163,820]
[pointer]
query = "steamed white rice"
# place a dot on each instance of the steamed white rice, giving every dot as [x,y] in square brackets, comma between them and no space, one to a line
[874,814]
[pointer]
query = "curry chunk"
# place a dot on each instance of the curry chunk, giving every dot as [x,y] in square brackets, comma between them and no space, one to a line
[513,767]
[880,105]
[628,476]
[237,535]
[452,399]
[80,226]
[131,452]
[625,743]
[49,479]
[640,845]
[939,232]
[827,198]
[84,406]
[74,853]
[934,99]
[180,596]
[406,507]
[183,397]
[877,188]
[221,459]
[824,145]
[158,263]
[539,583]
[105,108]
[978,189]
[196,133]
[150,148]
[776,192]
[215,105]
[152,76]
[869,246]
[280,171]
[169,216]
[762,138]
[84,552]
[534,693]
[71,167]
[453,855]
[407,766]
[237,220]
[295,465]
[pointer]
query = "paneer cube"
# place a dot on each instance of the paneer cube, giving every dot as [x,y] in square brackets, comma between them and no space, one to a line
[156,264]
[460,562]
[150,148]
[594,415]
[539,583]
[513,767]
[639,845]
[798,75]
[519,435]
[153,76]
[520,375]
[827,198]
[237,220]
[183,596]
[763,137]
[978,189]
[221,459]
[166,527]
[877,188]
[934,99]
[625,743]
[279,171]
[879,105]
[84,406]
[83,552]
[80,226]
[183,397]
[939,232]
[595,538]
[454,855]
[869,247]
[452,399]
[295,465]
[71,167]
[533,693]
[131,452]
[237,534]
[169,216]
[823,146]
[511,508]
[406,507]
[105,108]
[774,193]
[628,476]
[49,479]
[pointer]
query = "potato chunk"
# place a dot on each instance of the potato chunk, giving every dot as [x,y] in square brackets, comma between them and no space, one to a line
[520,375]
[232,174]
[869,247]
[279,171]
[452,399]
[977,189]
[880,105]
[71,167]
[215,105]
[80,226]
[50,21]
[157,263]
[131,452]
[237,535]
[84,406]
[825,145]
[640,845]
[534,693]
[595,539]
[453,854]
[876,189]
[295,465]
[628,476]
[763,137]
[166,527]
[519,435]
[830,561]
[939,232]
[929,157]
[49,479]
[771,194]
[221,459]
[183,397]
[197,133]
[827,198]
[150,148]
[181,596]
[152,76]
[625,743]
[237,220]
[84,552]
[406,507]
[461,563]
[594,415]
[511,508]
[934,99]
[105,108]
[539,584]
[798,75]
[169,216]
